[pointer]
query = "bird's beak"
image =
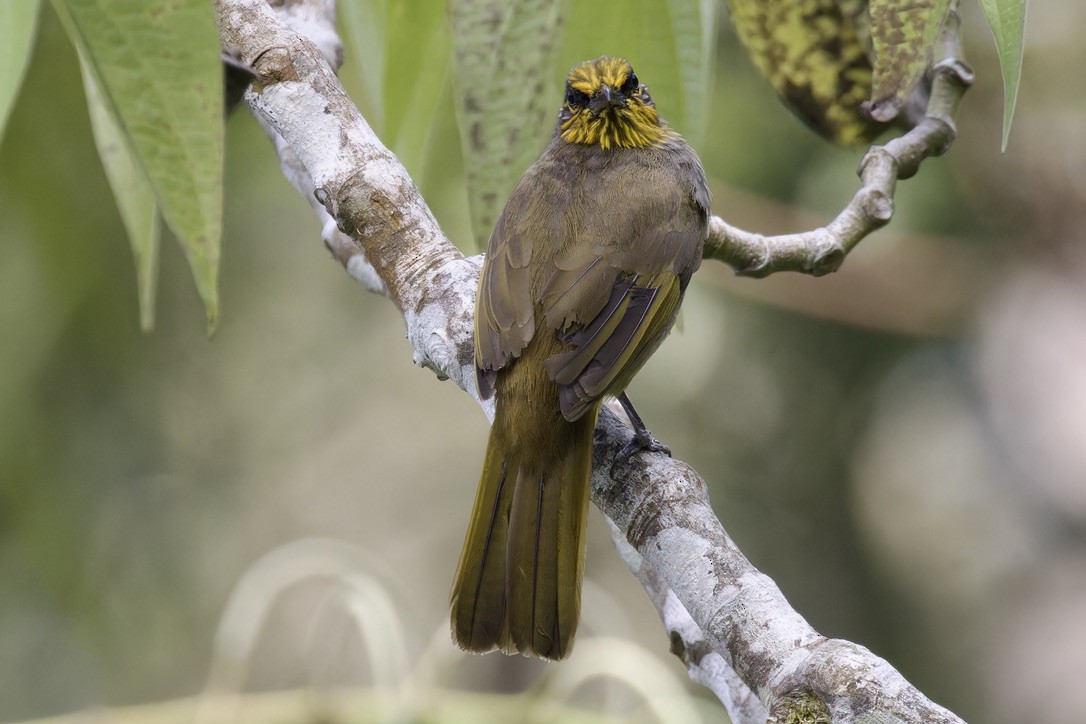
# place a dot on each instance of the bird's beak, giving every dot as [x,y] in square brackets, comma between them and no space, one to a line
[606,97]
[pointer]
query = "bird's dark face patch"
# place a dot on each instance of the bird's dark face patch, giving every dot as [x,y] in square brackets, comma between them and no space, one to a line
[576,99]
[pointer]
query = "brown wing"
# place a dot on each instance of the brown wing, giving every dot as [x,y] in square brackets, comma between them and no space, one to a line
[614,294]
[504,320]
[614,246]
[504,309]
[606,353]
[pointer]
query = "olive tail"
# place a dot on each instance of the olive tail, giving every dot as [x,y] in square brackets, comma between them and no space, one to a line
[518,585]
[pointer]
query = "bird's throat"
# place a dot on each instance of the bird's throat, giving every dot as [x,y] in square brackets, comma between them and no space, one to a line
[616,128]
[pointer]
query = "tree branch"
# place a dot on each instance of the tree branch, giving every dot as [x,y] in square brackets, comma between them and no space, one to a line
[728,622]
[822,250]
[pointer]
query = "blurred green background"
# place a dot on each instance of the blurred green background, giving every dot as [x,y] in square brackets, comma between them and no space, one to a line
[901,446]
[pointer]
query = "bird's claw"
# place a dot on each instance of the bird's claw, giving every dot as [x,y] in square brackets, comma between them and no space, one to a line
[639,444]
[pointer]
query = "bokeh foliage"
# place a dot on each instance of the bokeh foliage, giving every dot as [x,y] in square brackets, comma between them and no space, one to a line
[140,476]
[155,87]
[18,26]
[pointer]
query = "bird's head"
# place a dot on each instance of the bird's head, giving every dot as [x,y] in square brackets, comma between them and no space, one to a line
[608,107]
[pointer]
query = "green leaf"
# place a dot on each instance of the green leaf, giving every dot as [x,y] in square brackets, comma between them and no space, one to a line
[18,26]
[134,195]
[364,23]
[693,28]
[506,94]
[387,38]
[157,65]
[1007,19]
[902,33]
[670,44]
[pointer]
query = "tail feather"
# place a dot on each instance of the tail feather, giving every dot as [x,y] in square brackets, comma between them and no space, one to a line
[573,517]
[481,572]
[518,585]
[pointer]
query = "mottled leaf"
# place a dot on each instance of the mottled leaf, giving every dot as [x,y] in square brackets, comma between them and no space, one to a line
[134,195]
[18,26]
[1008,21]
[816,55]
[502,53]
[902,33]
[157,65]
[402,51]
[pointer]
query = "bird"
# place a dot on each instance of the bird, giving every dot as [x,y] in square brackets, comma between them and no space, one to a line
[581,281]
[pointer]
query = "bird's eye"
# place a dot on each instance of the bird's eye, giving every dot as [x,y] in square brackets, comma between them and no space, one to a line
[631,85]
[575,97]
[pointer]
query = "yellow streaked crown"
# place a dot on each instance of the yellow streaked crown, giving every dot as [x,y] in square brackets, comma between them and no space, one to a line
[607,106]
[591,75]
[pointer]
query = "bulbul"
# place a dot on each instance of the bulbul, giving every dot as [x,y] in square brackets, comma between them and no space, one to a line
[582,280]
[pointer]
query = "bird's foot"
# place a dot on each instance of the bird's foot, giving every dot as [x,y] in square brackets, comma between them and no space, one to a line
[642,441]
[640,444]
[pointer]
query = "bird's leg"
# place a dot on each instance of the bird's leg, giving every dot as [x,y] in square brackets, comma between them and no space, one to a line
[643,441]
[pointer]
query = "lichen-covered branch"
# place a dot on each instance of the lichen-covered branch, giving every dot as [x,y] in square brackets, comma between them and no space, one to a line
[822,250]
[728,622]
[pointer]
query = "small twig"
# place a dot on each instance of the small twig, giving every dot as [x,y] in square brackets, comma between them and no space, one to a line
[822,250]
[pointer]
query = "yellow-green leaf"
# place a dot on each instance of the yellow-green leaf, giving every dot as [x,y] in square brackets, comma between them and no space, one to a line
[134,195]
[157,65]
[18,26]
[401,49]
[902,33]
[1007,19]
[815,54]
[505,95]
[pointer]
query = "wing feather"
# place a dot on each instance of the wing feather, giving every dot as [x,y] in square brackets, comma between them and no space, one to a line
[613,296]
[504,315]
[604,358]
